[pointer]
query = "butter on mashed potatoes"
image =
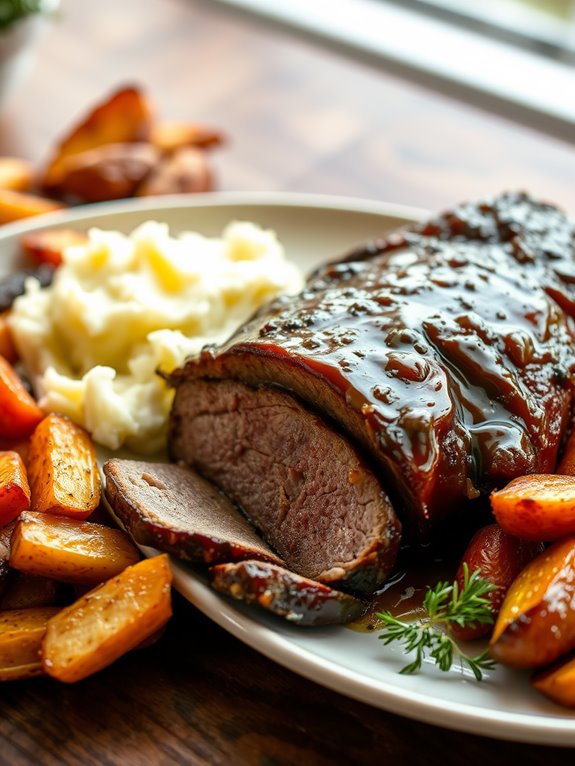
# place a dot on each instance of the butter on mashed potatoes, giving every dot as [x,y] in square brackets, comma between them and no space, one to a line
[121,307]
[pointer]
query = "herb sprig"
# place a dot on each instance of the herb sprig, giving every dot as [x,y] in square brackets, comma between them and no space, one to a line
[446,605]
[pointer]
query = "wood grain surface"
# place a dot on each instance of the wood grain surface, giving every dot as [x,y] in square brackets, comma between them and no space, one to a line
[298,118]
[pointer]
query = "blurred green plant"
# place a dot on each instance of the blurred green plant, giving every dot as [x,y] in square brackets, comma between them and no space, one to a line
[13,10]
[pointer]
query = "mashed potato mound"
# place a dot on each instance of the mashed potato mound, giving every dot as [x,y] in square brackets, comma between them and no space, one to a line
[122,307]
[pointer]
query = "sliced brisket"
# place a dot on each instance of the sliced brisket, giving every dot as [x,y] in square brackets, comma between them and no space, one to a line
[301,484]
[295,598]
[444,354]
[170,507]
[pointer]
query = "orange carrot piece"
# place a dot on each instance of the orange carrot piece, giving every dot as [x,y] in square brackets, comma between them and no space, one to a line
[19,413]
[536,507]
[48,245]
[7,347]
[536,622]
[567,463]
[499,557]
[16,205]
[14,489]
[62,469]
[558,682]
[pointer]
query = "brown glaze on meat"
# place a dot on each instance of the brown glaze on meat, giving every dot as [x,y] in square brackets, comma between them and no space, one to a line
[297,599]
[444,352]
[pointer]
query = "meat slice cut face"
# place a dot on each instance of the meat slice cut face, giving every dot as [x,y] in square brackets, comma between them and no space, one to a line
[172,508]
[444,354]
[302,484]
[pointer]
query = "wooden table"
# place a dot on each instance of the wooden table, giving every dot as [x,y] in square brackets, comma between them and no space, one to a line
[299,119]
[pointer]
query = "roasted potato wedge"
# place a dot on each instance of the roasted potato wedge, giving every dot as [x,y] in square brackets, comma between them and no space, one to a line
[109,621]
[48,245]
[21,634]
[69,550]
[536,622]
[186,171]
[558,682]
[14,489]
[124,117]
[62,469]
[15,174]
[536,507]
[169,136]
[15,205]
[113,171]
[499,557]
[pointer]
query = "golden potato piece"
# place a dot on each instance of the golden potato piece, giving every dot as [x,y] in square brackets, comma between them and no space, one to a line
[62,469]
[15,205]
[536,622]
[173,135]
[15,174]
[21,634]
[69,550]
[186,171]
[124,117]
[109,621]
[558,682]
[109,172]
[536,507]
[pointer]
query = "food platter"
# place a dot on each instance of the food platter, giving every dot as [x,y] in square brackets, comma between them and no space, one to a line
[314,229]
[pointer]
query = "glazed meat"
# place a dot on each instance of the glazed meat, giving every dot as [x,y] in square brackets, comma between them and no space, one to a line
[441,355]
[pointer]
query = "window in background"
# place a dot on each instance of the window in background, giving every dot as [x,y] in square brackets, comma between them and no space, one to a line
[513,57]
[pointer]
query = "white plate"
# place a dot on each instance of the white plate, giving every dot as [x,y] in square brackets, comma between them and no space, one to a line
[314,229]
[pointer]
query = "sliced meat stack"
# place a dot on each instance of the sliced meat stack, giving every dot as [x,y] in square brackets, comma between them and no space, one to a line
[433,365]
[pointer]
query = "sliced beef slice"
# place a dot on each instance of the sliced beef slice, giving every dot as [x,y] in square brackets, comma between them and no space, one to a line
[171,508]
[291,596]
[302,484]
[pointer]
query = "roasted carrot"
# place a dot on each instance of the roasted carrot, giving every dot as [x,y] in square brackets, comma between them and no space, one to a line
[558,682]
[14,489]
[567,463]
[62,469]
[48,245]
[536,507]
[499,557]
[7,348]
[19,413]
[69,550]
[15,205]
[536,622]
[15,174]
[109,621]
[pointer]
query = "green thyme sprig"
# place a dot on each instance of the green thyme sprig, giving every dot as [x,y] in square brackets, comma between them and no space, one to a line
[446,605]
